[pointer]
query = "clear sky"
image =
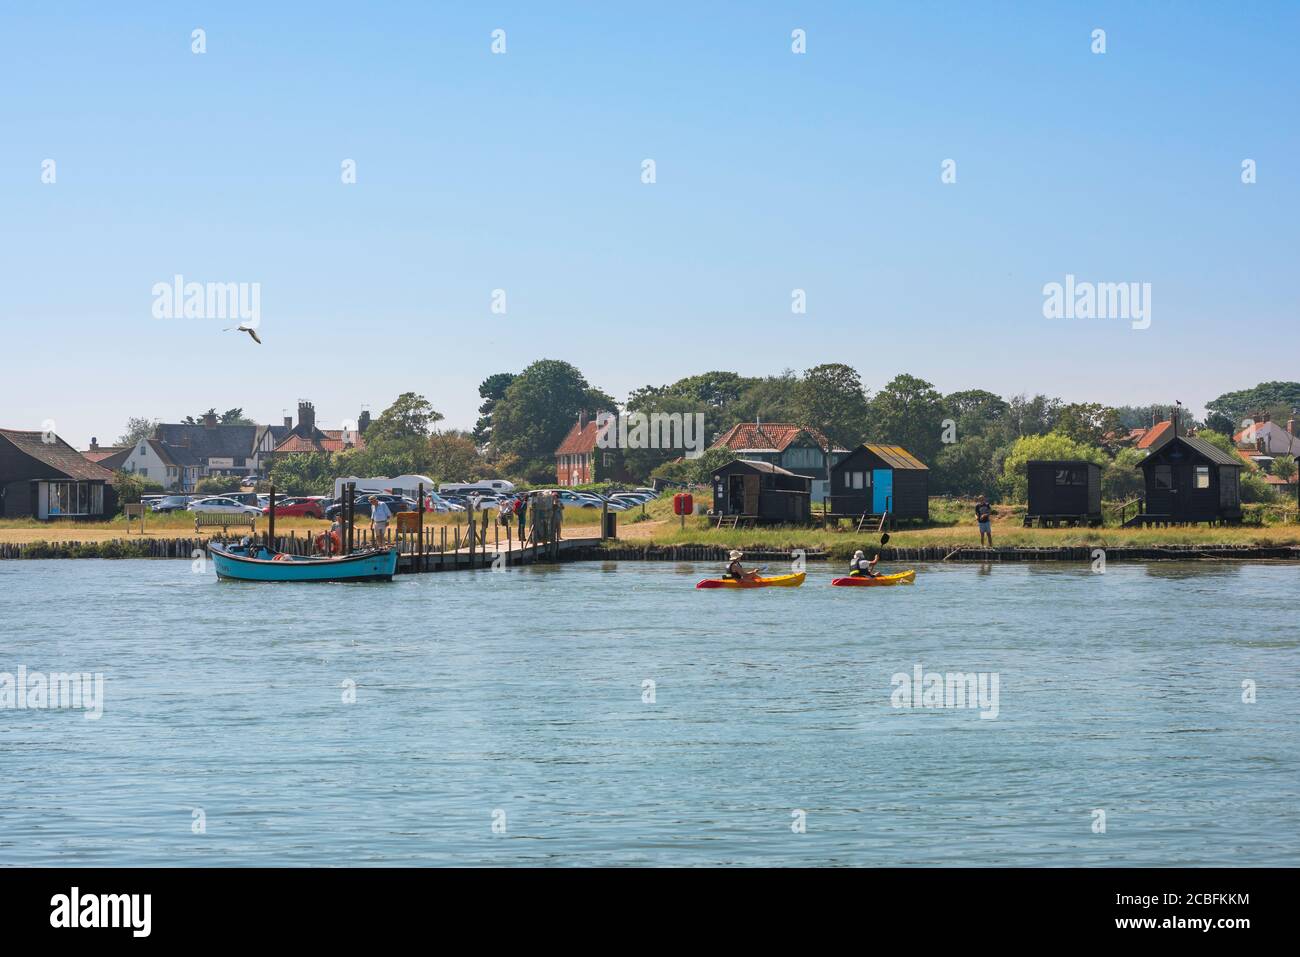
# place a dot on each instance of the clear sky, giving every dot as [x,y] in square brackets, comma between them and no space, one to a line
[522,172]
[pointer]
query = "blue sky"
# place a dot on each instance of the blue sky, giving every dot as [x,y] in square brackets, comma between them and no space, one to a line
[775,171]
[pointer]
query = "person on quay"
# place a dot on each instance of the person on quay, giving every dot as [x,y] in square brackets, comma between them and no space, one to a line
[983,518]
[380,513]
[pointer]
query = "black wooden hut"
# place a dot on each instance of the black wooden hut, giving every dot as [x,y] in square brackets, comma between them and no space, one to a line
[880,480]
[747,490]
[1063,492]
[1188,480]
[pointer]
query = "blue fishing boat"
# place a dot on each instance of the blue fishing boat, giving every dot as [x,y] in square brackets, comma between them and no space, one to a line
[257,563]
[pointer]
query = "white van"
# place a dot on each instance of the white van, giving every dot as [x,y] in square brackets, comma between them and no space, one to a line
[494,486]
[407,485]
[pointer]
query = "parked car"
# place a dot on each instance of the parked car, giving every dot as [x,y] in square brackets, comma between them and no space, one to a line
[361,505]
[219,503]
[170,503]
[296,508]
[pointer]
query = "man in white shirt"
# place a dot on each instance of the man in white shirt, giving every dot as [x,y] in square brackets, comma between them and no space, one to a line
[380,513]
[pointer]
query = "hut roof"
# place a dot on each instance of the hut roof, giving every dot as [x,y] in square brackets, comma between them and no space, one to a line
[767,467]
[1200,446]
[58,455]
[895,456]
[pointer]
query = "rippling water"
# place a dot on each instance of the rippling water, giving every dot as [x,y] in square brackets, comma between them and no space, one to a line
[517,698]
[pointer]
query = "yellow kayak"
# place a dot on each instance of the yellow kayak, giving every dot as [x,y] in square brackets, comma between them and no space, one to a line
[898,578]
[777,581]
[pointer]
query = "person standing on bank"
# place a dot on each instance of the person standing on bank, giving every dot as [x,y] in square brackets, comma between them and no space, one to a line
[983,517]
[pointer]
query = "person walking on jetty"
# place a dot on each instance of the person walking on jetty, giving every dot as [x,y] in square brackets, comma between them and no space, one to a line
[380,513]
[983,517]
[521,509]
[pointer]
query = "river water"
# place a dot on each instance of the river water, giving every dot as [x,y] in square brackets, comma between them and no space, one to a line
[508,718]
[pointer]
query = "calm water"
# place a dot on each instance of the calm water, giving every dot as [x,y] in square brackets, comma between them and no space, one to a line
[521,692]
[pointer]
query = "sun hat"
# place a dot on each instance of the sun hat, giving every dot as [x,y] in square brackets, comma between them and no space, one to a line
[859,554]
[736,554]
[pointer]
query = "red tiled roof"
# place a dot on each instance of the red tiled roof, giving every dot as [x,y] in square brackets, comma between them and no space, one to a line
[1153,435]
[767,437]
[579,441]
[101,453]
[326,440]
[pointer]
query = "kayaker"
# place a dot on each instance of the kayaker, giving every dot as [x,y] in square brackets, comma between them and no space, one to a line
[859,567]
[983,515]
[736,571]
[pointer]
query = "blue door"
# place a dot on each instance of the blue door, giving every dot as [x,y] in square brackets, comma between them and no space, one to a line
[882,490]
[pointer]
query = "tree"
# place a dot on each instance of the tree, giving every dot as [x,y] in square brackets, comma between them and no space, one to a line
[697,471]
[1034,416]
[235,417]
[1220,441]
[455,458]
[830,398]
[1053,445]
[1275,398]
[1284,467]
[970,466]
[975,411]
[1121,479]
[137,428]
[908,412]
[1086,422]
[491,390]
[219,485]
[311,473]
[537,410]
[130,486]
[410,416]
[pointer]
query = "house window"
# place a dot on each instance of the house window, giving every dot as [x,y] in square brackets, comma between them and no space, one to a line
[857,480]
[1202,476]
[1164,481]
[144,472]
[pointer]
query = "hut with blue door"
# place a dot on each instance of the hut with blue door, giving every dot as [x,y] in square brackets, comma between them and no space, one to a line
[884,483]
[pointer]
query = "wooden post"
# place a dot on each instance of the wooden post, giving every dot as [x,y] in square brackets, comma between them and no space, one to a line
[419,504]
[270,525]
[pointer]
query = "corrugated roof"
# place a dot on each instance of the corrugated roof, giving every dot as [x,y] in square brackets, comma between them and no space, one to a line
[897,456]
[58,455]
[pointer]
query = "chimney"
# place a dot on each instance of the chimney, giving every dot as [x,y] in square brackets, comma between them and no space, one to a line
[306,417]
[1290,424]
[363,421]
[210,420]
[582,420]
[288,422]
[94,444]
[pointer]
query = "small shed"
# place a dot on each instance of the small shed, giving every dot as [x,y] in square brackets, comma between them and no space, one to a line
[1063,492]
[761,492]
[880,480]
[1188,480]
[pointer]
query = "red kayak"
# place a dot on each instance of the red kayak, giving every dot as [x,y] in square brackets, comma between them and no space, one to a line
[899,578]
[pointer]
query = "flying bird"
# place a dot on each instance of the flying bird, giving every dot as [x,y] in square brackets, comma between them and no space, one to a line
[244,328]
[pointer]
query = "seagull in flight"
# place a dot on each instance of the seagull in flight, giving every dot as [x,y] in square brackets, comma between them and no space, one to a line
[244,327]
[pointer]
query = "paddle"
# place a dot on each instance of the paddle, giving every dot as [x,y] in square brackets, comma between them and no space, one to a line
[884,539]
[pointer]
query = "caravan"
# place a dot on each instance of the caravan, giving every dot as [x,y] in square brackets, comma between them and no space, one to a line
[401,485]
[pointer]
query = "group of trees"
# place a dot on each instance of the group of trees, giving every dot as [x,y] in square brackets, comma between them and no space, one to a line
[975,441]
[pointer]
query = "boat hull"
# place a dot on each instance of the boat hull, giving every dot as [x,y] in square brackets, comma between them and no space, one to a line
[373,565]
[899,578]
[777,581]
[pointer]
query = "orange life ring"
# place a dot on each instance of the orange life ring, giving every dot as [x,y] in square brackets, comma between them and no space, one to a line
[335,538]
[282,557]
